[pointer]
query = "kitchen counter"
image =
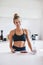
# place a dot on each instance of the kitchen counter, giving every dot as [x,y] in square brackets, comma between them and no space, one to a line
[8,58]
[20,59]
[38,44]
[4,46]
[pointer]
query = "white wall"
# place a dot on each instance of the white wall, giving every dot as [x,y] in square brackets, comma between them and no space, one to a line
[26,8]
[33,25]
[42,22]
[29,10]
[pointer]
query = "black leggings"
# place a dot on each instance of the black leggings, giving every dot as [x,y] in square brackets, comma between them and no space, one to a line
[18,48]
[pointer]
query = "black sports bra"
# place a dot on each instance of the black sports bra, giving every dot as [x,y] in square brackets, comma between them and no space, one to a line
[19,37]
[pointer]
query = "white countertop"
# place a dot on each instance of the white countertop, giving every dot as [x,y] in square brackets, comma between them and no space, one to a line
[4,45]
[20,59]
[8,58]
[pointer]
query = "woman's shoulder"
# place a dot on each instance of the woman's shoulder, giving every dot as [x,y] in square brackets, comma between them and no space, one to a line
[26,31]
[12,32]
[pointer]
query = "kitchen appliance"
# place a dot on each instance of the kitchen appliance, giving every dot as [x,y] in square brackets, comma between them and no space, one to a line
[34,36]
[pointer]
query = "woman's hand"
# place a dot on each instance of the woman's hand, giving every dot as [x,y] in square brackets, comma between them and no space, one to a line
[33,51]
[12,50]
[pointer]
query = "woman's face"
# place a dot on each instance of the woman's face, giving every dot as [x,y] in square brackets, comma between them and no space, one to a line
[17,22]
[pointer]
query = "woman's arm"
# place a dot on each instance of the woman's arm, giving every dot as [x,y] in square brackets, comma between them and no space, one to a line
[10,40]
[29,44]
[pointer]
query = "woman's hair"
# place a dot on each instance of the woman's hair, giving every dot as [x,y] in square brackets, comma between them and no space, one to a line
[16,16]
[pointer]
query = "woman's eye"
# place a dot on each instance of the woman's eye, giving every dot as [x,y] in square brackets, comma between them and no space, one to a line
[16,22]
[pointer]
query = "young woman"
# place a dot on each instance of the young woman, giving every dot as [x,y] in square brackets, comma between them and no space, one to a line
[19,36]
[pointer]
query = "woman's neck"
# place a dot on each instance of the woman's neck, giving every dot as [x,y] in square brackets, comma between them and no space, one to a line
[18,28]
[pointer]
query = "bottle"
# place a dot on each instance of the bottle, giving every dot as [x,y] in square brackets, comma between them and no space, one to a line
[1,34]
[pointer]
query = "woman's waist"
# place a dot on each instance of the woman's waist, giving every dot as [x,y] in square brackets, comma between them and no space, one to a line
[18,44]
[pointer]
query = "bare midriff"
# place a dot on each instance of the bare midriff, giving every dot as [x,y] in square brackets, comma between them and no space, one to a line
[19,44]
